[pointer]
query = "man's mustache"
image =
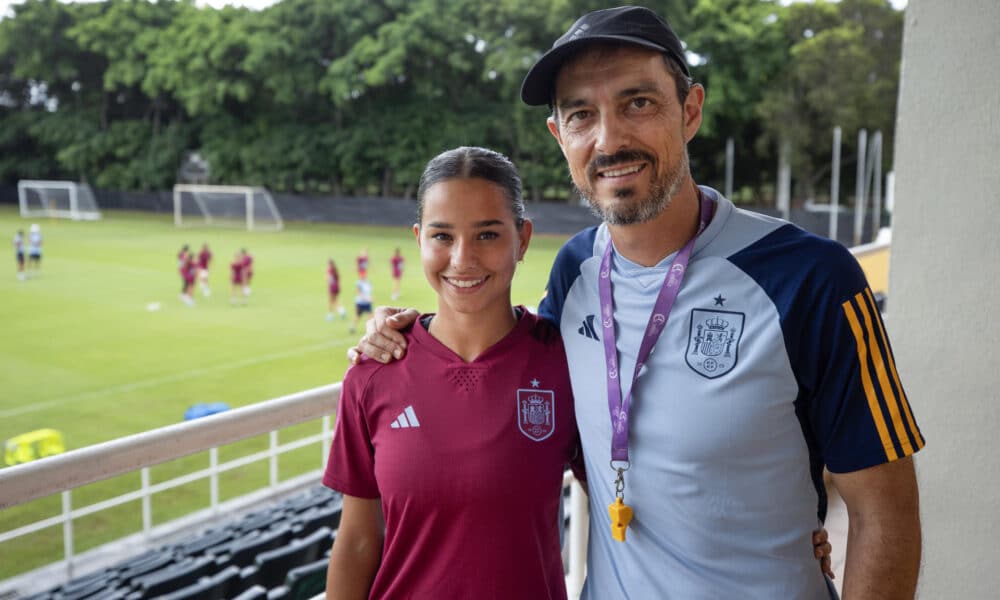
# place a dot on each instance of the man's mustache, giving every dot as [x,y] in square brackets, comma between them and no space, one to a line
[605,161]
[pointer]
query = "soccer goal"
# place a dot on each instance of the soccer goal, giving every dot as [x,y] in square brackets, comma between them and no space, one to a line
[225,206]
[64,199]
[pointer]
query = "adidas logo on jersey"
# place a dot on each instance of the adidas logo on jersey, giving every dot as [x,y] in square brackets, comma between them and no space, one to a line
[588,330]
[406,419]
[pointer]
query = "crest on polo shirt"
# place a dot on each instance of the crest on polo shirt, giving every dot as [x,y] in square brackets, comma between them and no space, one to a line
[536,412]
[713,346]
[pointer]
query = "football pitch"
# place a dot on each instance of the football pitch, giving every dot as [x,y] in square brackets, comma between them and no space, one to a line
[98,345]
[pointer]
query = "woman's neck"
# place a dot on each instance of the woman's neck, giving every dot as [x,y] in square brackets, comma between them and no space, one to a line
[469,335]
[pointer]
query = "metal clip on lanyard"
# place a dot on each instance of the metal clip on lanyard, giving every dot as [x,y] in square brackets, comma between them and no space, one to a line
[621,514]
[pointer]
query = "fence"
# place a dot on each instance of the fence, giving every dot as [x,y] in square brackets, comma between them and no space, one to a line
[64,472]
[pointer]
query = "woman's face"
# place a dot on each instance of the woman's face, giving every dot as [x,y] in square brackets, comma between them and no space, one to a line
[469,245]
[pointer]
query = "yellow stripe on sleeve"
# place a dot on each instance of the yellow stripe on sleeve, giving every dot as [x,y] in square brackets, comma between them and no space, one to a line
[891,401]
[866,380]
[903,400]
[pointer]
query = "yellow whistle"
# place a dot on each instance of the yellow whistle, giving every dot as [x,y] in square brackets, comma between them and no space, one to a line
[621,516]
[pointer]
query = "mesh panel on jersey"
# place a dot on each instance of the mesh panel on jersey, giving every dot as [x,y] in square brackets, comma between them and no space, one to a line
[466,378]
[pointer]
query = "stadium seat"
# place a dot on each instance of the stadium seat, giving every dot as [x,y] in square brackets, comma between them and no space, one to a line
[328,516]
[306,581]
[244,550]
[151,562]
[174,577]
[274,565]
[198,545]
[257,592]
[261,520]
[217,587]
[95,584]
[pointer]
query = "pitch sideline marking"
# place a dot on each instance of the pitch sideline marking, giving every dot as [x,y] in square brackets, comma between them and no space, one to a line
[156,381]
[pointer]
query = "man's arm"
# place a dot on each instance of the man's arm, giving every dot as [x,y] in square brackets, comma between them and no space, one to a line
[883,539]
[382,340]
[356,551]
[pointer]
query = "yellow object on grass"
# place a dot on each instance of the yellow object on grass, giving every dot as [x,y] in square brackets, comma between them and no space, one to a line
[32,445]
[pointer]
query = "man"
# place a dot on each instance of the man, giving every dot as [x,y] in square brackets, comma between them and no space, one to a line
[34,248]
[19,253]
[770,359]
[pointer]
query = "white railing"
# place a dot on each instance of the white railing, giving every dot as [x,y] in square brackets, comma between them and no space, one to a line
[64,472]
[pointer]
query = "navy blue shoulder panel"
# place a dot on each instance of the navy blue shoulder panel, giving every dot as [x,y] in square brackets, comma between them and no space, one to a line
[565,270]
[808,278]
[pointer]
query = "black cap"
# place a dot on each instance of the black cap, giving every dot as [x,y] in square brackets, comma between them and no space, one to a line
[630,24]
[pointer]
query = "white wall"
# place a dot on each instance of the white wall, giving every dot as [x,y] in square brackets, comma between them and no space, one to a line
[944,310]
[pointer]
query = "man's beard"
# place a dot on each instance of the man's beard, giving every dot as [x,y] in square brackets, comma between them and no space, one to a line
[661,190]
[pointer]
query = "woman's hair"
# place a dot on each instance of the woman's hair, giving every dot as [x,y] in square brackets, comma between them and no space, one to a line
[470,162]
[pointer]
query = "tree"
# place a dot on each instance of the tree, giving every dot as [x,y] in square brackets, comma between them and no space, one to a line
[843,70]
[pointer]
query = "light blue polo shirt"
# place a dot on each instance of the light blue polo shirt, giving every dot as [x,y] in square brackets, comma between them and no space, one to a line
[774,362]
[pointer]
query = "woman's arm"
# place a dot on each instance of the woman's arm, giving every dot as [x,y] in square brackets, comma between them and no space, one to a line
[357,549]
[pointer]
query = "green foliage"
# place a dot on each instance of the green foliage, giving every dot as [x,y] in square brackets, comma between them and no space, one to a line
[354,96]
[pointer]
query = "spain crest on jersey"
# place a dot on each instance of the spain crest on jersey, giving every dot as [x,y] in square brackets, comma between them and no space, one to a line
[536,413]
[714,341]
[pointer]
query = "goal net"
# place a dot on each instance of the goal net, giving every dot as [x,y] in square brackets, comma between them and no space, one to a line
[225,206]
[65,199]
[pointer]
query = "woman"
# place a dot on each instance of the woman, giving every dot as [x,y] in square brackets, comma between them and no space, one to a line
[333,290]
[459,449]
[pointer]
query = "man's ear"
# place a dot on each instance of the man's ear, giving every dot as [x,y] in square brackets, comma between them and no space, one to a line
[554,129]
[692,111]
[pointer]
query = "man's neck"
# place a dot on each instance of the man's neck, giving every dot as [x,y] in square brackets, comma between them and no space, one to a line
[650,242]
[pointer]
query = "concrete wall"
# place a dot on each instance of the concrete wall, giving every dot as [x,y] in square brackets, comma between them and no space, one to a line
[945,279]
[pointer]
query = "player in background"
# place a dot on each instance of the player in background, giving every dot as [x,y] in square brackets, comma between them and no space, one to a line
[19,253]
[182,255]
[188,271]
[362,298]
[204,258]
[397,272]
[362,261]
[237,272]
[333,290]
[247,271]
[34,248]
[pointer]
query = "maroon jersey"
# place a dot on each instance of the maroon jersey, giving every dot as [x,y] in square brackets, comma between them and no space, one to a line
[204,257]
[333,280]
[468,467]
[362,264]
[236,267]
[397,266]
[189,268]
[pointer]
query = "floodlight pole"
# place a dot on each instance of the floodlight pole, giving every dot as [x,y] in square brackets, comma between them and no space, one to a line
[835,184]
[859,187]
[730,158]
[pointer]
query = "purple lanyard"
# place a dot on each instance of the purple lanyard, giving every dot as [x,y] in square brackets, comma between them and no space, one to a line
[657,321]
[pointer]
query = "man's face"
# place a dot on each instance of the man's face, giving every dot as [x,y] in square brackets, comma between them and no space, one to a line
[623,131]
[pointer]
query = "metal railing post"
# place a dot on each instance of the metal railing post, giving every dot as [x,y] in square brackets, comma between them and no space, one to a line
[578,521]
[213,480]
[67,514]
[147,504]
[274,459]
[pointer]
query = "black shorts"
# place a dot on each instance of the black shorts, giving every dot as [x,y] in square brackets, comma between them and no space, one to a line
[20,258]
[35,256]
[363,307]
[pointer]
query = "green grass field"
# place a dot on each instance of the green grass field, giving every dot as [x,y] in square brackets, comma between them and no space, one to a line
[82,352]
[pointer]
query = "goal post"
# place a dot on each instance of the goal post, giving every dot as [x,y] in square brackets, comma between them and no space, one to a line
[225,206]
[63,199]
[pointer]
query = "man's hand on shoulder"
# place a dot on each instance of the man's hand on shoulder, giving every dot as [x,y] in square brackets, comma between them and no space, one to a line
[382,340]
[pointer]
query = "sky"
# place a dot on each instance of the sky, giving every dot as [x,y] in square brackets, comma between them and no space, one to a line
[258,4]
